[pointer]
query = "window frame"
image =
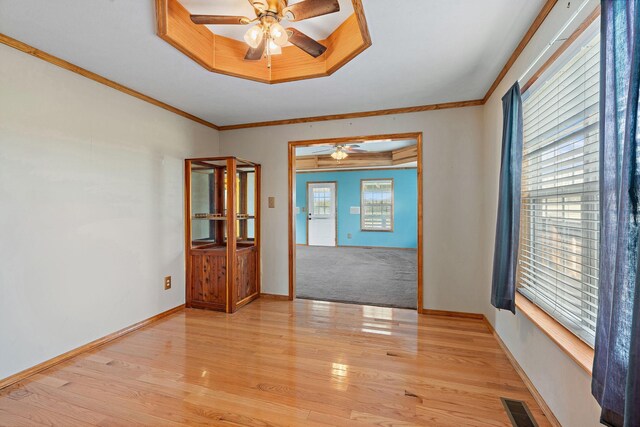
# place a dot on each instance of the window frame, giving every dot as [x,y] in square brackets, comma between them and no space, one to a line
[326,208]
[362,205]
[577,349]
[531,255]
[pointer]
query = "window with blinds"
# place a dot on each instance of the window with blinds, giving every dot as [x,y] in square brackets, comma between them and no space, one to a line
[376,204]
[559,226]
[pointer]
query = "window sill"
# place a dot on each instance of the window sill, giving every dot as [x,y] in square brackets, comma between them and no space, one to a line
[575,348]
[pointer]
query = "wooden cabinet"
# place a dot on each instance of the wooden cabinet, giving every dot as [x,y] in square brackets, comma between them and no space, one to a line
[208,279]
[222,233]
[246,267]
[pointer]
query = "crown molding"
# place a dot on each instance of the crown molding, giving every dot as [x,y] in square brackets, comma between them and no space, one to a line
[23,47]
[537,22]
[355,115]
[535,25]
[563,47]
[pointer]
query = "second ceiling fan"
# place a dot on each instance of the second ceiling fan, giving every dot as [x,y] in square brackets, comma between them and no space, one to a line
[341,151]
[268,36]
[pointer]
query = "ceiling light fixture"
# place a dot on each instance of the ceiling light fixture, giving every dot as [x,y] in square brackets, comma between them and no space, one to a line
[341,151]
[271,33]
[339,154]
[268,36]
[253,37]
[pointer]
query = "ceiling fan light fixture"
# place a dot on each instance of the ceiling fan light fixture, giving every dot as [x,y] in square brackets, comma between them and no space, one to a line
[269,36]
[339,154]
[253,36]
[274,49]
[278,34]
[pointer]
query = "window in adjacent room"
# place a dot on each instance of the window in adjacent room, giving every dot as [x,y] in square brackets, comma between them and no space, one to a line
[376,204]
[558,258]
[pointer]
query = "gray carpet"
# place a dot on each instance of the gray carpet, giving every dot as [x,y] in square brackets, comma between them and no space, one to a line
[374,276]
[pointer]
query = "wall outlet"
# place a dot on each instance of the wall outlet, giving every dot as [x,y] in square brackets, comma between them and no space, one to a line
[167,283]
[348,235]
[272,202]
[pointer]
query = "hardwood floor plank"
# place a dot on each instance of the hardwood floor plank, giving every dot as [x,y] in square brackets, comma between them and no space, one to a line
[281,363]
[48,399]
[36,415]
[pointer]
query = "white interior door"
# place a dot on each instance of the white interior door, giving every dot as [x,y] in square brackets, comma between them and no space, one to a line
[321,215]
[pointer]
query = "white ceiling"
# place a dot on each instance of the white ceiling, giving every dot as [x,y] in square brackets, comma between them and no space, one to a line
[423,52]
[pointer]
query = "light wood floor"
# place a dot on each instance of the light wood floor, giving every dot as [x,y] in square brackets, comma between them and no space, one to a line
[281,363]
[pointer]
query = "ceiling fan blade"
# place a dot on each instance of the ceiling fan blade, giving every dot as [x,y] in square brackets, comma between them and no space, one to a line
[219,20]
[310,8]
[326,150]
[304,42]
[355,150]
[255,54]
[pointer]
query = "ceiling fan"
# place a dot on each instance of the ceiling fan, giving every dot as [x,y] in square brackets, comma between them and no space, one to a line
[268,36]
[341,151]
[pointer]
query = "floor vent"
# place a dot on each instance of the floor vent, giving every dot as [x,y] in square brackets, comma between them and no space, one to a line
[518,413]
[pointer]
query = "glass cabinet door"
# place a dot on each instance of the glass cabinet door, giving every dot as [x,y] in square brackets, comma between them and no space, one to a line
[246,204]
[207,203]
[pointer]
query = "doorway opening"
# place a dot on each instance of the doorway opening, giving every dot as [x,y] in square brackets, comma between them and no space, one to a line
[355,220]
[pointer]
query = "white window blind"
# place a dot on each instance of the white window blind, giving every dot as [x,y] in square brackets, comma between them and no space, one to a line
[559,226]
[376,205]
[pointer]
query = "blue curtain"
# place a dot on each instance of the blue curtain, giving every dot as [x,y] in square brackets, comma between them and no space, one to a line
[505,255]
[615,383]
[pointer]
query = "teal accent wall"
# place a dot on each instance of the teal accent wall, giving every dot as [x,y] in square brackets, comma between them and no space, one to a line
[405,210]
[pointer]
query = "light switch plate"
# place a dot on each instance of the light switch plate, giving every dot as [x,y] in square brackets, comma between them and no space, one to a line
[272,202]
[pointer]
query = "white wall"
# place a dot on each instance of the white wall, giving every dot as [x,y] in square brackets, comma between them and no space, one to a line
[91,209]
[452,154]
[562,383]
